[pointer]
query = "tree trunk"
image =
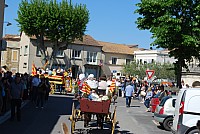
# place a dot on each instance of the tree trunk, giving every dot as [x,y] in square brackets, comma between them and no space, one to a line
[179,73]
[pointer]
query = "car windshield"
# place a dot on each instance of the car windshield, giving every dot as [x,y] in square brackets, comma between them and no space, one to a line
[164,99]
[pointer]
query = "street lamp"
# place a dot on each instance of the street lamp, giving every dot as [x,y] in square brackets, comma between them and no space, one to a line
[8,23]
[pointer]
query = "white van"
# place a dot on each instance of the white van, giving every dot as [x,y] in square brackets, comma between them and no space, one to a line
[187,111]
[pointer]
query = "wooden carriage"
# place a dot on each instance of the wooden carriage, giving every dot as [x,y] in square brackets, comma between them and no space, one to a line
[99,108]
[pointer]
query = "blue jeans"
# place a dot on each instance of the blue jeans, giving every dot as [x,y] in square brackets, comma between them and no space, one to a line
[147,103]
[128,101]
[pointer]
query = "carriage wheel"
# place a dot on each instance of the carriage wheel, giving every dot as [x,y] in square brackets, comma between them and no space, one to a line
[73,119]
[114,120]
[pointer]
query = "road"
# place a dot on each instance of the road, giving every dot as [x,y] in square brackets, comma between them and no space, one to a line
[133,120]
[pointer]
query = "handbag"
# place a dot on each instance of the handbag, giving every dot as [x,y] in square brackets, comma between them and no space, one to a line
[143,93]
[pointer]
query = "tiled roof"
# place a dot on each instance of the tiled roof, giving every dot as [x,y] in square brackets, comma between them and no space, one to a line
[10,37]
[87,40]
[117,48]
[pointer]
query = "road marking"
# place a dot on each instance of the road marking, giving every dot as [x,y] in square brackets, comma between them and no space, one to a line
[155,122]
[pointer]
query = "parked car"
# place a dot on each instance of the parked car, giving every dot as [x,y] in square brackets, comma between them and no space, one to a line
[164,112]
[187,111]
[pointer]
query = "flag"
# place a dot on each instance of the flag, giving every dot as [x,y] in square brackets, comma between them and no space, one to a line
[86,88]
[34,72]
[112,86]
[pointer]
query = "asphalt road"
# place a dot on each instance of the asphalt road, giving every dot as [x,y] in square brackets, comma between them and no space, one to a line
[133,120]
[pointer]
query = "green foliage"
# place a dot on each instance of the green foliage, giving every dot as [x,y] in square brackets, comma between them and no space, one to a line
[174,25]
[163,71]
[61,23]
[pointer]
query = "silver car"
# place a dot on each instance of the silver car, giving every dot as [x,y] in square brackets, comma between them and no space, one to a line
[164,112]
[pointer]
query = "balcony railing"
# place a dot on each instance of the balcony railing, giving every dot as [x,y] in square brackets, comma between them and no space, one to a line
[91,61]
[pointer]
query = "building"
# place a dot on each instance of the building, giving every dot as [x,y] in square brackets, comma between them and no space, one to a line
[193,74]
[115,56]
[81,56]
[153,56]
[10,57]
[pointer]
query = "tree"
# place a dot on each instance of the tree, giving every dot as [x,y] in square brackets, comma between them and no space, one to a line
[175,26]
[163,71]
[61,23]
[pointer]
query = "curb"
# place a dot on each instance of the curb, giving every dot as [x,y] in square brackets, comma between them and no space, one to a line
[6,116]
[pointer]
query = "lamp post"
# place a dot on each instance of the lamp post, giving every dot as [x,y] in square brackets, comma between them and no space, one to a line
[2,6]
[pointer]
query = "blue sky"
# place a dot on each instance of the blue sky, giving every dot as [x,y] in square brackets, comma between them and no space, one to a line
[110,21]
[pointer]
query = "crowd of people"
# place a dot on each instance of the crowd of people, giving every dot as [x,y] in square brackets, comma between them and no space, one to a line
[14,89]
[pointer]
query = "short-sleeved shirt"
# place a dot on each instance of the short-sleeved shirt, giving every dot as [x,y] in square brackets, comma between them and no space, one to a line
[129,90]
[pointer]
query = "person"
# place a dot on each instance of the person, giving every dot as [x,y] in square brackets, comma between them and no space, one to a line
[16,95]
[5,96]
[129,92]
[1,93]
[142,93]
[91,82]
[123,88]
[42,87]
[148,97]
[48,88]
[102,85]
[35,82]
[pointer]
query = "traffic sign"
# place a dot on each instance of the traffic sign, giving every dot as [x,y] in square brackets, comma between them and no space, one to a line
[150,73]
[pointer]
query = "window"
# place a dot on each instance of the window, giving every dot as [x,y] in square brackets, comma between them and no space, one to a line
[76,53]
[38,53]
[14,56]
[2,55]
[25,50]
[91,56]
[152,61]
[128,61]
[114,60]
[60,53]
[25,65]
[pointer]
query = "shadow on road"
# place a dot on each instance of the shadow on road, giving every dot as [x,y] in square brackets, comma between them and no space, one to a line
[37,120]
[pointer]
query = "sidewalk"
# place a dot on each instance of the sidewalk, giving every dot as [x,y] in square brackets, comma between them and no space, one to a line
[6,116]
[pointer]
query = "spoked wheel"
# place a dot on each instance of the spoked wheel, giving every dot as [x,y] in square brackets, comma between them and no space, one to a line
[72,118]
[114,120]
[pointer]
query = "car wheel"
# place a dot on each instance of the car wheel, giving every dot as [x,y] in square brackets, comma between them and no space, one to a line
[194,131]
[167,124]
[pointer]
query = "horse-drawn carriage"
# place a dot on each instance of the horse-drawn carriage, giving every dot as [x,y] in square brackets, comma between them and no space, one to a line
[86,108]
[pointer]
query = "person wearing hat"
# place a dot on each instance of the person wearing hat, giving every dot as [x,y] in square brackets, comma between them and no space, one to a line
[102,85]
[16,94]
[91,82]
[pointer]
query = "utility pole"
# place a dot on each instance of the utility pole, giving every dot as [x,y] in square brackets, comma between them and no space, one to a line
[2,6]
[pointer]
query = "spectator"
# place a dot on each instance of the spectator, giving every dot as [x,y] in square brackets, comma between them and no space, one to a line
[35,82]
[1,94]
[16,94]
[148,97]
[42,87]
[142,92]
